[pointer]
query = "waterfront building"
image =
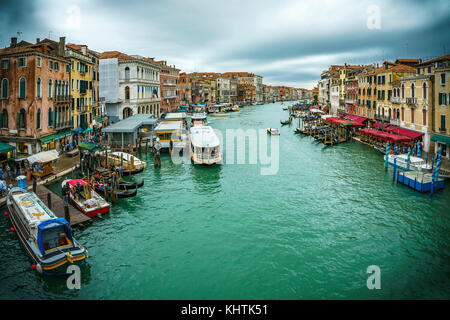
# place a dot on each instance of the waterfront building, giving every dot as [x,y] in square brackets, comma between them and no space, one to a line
[233,91]
[414,96]
[129,84]
[223,90]
[439,69]
[334,97]
[170,86]
[248,79]
[34,95]
[82,87]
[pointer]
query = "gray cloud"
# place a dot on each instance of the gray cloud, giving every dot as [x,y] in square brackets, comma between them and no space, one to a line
[286,41]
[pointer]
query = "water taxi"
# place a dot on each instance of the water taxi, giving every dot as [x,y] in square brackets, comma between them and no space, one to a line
[46,238]
[205,146]
[235,108]
[273,131]
[415,164]
[170,134]
[85,199]
[199,119]
[176,116]
[219,114]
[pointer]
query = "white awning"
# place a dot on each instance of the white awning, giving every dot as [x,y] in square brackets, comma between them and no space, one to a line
[45,156]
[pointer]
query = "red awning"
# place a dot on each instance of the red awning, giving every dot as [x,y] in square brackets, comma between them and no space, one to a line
[355,118]
[385,136]
[404,132]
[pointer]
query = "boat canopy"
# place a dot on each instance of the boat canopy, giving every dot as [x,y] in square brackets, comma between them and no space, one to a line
[355,118]
[44,156]
[175,116]
[73,182]
[47,226]
[169,126]
[204,137]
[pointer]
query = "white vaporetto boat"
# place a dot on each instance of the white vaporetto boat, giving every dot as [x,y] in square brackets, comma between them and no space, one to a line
[415,164]
[46,238]
[205,145]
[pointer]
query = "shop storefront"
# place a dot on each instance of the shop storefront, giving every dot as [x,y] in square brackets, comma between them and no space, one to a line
[56,141]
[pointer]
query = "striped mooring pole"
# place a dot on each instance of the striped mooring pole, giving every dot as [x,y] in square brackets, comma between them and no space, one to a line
[395,169]
[409,158]
[387,155]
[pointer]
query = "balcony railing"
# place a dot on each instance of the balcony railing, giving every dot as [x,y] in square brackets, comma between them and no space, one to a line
[63,125]
[350,101]
[62,99]
[382,118]
[411,101]
[395,99]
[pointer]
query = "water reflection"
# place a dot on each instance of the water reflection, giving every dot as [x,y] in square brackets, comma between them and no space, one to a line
[207,179]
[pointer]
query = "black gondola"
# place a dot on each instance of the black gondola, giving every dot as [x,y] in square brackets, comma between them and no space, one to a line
[286,122]
[120,194]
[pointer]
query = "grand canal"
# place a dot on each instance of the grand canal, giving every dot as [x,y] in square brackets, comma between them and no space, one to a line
[227,232]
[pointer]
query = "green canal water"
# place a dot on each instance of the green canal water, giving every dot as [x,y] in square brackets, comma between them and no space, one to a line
[227,232]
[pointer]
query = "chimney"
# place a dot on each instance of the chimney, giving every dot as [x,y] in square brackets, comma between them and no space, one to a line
[13,42]
[38,40]
[62,46]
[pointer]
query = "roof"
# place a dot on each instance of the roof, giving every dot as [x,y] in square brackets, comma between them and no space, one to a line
[204,137]
[89,146]
[45,156]
[442,58]
[33,210]
[131,124]
[116,54]
[169,126]
[175,116]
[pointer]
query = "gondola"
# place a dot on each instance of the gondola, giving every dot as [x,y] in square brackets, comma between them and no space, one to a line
[123,185]
[286,122]
[99,188]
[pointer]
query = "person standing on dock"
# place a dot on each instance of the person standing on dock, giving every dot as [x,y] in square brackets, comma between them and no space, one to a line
[65,194]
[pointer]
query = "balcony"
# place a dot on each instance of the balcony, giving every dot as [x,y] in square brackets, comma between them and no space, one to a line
[395,122]
[395,99]
[411,101]
[350,101]
[62,99]
[63,125]
[382,118]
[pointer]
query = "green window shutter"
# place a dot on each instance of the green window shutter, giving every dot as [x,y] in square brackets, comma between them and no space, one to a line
[18,120]
[25,119]
[1,120]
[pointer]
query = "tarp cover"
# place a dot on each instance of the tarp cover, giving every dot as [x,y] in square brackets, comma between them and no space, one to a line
[45,156]
[49,224]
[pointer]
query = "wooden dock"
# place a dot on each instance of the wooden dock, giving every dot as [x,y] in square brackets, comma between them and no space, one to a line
[57,207]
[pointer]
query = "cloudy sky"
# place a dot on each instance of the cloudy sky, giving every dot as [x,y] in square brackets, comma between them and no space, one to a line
[286,41]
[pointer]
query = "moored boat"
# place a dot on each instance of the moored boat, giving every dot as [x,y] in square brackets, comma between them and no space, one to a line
[235,108]
[219,114]
[129,163]
[415,163]
[199,119]
[273,131]
[46,238]
[205,146]
[85,199]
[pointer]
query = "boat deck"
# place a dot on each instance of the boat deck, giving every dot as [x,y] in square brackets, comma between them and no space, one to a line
[76,217]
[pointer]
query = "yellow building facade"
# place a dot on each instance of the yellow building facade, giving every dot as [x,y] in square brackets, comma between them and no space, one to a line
[81,85]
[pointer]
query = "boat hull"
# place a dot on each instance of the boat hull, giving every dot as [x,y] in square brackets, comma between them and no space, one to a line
[90,213]
[55,267]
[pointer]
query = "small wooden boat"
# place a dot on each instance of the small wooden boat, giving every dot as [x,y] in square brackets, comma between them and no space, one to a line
[85,199]
[273,131]
[46,238]
[415,163]
[235,108]
[100,188]
[286,122]
[123,185]
[128,162]
[219,114]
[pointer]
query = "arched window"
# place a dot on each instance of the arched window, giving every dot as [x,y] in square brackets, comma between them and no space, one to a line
[413,89]
[22,88]
[22,119]
[403,91]
[4,119]
[5,88]
[127,73]
[50,88]
[127,93]
[424,88]
[38,119]
[38,88]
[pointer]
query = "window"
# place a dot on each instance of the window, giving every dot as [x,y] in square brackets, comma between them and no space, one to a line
[127,73]
[5,87]
[4,119]
[38,119]
[443,122]
[403,91]
[424,89]
[5,64]
[22,62]
[56,65]
[413,91]
[50,117]
[127,93]
[50,65]
[38,59]
[68,68]
[442,99]
[412,115]
[443,79]
[390,78]
[78,66]
[22,88]
[22,119]
[73,65]
[38,88]
[403,114]
[50,88]
[424,117]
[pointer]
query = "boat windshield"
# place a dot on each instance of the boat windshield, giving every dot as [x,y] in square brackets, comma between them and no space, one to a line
[54,234]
